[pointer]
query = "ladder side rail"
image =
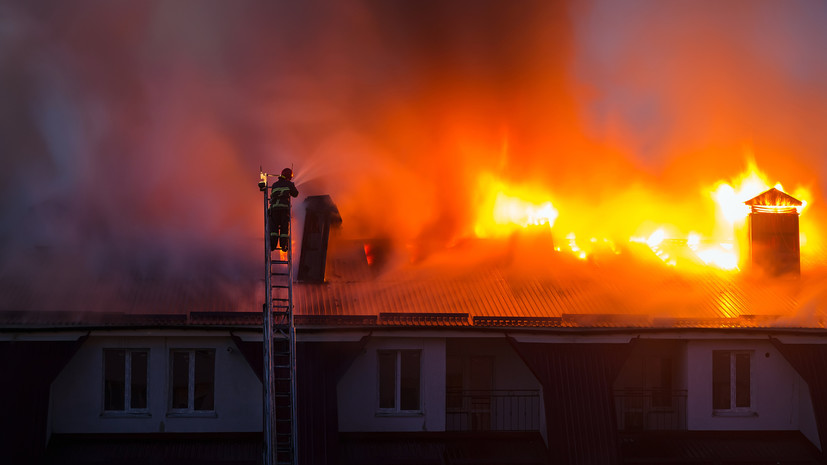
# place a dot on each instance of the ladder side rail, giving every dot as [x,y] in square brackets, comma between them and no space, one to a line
[267,335]
[292,341]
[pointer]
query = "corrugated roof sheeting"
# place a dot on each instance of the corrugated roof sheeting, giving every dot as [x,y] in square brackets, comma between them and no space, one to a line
[492,297]
[491,293]
[485,293]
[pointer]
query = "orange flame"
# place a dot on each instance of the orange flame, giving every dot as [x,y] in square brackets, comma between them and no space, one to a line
[504,208]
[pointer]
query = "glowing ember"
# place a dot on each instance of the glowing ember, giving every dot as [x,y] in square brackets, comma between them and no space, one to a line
[578,252]
[369,254]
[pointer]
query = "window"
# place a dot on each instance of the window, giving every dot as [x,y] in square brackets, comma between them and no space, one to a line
[193,381]
[125,375]
[399,379]
[731,381]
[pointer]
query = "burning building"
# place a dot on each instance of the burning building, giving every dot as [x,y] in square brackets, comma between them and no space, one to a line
[467,357]
[437,328]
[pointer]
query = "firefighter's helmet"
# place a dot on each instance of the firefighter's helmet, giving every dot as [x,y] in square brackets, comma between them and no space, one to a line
[287,173]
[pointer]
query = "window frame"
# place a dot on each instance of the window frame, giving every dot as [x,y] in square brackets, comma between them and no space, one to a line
[190,410]
[396,410]
[128,410]
[734,409]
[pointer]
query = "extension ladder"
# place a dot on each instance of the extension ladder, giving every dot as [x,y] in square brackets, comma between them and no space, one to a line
[279,348]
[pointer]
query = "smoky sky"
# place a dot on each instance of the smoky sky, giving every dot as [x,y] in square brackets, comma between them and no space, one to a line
[132,132]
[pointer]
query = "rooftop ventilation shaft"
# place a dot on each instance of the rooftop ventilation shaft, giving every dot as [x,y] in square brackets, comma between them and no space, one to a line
[773,233]
[320,214]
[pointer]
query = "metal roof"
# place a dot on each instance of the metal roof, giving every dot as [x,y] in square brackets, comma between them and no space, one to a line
[580,294]
[476,287]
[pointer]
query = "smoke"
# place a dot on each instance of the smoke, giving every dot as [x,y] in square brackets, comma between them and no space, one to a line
[132,131]
[685,86]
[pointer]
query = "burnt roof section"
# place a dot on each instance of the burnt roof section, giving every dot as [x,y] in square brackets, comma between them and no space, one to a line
[774,197]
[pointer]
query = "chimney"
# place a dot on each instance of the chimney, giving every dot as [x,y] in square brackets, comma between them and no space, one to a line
[320,214]
[773,233]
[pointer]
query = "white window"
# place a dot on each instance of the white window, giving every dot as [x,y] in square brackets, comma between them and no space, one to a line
[125,376]
[192,381]
[732,381]
[399,381]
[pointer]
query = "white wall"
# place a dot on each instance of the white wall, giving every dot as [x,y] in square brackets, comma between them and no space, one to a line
[776,389]
[357,390]
[510,372]
[77,393]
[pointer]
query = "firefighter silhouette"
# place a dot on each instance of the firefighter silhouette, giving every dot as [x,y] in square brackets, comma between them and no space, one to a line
[280,195]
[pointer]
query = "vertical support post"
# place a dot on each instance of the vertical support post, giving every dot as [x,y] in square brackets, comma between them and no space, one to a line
[292,341]
[269,449]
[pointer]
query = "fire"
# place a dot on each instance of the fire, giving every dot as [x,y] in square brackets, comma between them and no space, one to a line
[721,255]
[730,202]
[575,249]
[505,209]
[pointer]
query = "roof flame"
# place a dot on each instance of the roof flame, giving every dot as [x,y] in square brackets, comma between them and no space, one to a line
[505,208]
